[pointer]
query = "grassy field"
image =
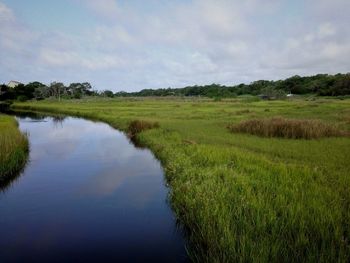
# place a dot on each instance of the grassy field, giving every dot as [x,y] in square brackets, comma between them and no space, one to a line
[243,198]
[13,148]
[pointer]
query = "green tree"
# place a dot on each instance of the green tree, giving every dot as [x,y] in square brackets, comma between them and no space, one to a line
[107,93]
[57,89]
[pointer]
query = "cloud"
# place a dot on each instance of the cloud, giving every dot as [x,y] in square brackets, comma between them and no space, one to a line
[144,44]
[326,30]
[55,58]
[6,13]
[12,34]
[106,8]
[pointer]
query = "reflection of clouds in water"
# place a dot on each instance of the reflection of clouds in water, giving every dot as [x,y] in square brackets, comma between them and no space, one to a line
[58,150]
[136,174]
[107,181]
[115,147]
[144,193]
[104,183]
[70,135]
[111,162]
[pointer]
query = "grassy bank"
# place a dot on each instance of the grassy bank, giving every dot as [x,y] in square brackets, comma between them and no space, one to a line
[243,197]
[13,148]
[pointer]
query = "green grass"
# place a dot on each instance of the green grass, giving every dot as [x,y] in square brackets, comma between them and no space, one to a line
[13,148]
[243,198]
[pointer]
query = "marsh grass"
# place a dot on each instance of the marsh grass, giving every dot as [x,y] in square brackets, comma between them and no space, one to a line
[240,112]
[137,126]
[243,198]
[287,128]
[13,148]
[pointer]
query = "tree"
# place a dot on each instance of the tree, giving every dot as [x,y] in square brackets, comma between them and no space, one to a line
[272,92]
[57,89]
[341,86]
[42,92]
[77,90]
[6,93]
[38,90]
[87,88]
[107,93]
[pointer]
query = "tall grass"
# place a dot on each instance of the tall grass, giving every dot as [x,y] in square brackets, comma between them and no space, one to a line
[13,148]
[287,128]
[243,198]
[137,126]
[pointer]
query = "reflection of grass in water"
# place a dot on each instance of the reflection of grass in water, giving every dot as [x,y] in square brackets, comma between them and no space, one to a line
[243,197]
[13,149]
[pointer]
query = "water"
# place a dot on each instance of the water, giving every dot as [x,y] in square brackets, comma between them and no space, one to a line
[86,195]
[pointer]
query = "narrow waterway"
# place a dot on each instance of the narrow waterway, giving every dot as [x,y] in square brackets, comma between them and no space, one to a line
[86,195]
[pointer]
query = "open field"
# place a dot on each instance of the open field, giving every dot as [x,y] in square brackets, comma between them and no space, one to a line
[13,148]
[242,197]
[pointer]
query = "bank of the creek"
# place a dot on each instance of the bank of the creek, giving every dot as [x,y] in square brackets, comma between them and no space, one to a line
[86,195]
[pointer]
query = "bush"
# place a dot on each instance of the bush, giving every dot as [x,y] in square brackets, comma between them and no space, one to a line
[5,106]
[286,128]
[138,126]
[22,98]
[77,96]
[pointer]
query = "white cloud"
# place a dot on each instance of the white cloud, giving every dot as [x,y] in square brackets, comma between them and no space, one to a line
[106,8]
[57,58]
[6,13]
[135,45]
[326,30]
[76,61]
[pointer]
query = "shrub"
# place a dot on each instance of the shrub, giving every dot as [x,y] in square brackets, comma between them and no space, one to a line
[5,106]
[22,98]
[138,126]
[286,128]
[77,96]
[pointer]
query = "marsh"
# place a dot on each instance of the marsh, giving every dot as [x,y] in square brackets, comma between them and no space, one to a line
[87,194]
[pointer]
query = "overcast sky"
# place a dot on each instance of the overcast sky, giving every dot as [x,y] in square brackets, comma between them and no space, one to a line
[135,44]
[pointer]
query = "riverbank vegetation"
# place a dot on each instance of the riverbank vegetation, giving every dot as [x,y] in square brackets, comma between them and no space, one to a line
[13,148]
[243,198]
[138,126]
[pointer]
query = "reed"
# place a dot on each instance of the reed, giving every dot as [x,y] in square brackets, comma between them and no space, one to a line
[13,148]
[137,126]
[287,128]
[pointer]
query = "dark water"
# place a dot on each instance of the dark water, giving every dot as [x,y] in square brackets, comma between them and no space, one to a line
[86,195]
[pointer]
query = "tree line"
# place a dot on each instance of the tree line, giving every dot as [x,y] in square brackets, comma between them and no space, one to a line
[37,90]
[321,84]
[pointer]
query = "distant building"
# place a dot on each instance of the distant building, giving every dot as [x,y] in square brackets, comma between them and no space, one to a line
[13,84]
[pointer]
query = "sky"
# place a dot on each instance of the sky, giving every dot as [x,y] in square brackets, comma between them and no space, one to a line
[129,45]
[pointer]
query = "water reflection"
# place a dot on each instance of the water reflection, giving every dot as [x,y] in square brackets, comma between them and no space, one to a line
[58,121]
[31,116]
[86,195]
[8,181]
